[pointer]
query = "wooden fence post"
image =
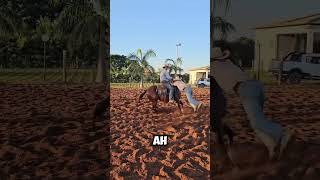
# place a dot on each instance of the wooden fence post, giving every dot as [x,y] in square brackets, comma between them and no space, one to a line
[64,59]
[280,73]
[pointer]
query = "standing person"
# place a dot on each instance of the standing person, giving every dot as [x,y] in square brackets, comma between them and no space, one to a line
[232,79]
[188,90]
[166,79]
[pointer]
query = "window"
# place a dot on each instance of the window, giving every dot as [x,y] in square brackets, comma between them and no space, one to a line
[316,43]
[308,59]
[315,60]
[295,58]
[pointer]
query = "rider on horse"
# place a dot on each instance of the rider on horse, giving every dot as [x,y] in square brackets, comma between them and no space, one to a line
[166,80]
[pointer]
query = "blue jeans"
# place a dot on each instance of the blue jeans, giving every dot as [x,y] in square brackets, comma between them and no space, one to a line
[168,85]
[252,98]
[192,102]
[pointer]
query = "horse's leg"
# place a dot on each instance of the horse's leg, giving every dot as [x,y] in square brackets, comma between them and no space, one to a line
[141,95]
[229,132]
[179,106]
[154,105]
[218,110]
[181,103]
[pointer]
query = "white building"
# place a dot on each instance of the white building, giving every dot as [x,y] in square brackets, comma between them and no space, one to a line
[276,40]
[197,73]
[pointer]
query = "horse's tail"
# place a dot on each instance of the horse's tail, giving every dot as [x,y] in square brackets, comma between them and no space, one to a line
[141,95]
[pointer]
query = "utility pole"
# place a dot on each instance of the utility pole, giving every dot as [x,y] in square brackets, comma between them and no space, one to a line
[44,38]
[179,44]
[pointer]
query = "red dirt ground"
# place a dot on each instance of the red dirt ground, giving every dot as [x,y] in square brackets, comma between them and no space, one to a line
[133,125]
[44,132]
[295,108]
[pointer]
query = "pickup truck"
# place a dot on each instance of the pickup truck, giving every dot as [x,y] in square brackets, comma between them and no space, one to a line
[203,82]
[297,66]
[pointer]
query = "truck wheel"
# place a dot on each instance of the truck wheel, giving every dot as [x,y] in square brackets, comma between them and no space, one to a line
[295,77]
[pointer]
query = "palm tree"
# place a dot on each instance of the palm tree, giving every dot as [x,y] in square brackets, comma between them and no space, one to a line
[176,65]
[219,23]
[223,27]
[88,21]
[133,70]
[143,65]
[226,4]
[7,23]
[13,28]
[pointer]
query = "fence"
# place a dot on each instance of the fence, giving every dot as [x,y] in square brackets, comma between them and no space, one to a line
[132,85]
[36,75]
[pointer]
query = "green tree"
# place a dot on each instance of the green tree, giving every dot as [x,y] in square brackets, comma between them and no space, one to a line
[19,20]
[15,33]
[185,77]
[219,23]
[223,27]
[225,4]
[142,67]
[176,65]
[88,22]
[119,68]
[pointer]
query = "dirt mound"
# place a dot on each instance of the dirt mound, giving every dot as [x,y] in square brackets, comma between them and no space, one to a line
[45,132]
[132,128]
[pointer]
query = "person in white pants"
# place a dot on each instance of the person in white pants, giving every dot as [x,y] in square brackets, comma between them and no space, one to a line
[196,105]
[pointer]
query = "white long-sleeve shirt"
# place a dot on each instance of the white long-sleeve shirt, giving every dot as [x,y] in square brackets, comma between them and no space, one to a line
[180,84]
[227,74]
[165,76]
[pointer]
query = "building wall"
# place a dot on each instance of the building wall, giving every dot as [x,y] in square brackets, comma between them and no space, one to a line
[193,75]
[266,41]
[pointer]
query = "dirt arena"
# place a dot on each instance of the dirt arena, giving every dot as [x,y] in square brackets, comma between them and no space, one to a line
[45,131]
[296,108]
[132,128]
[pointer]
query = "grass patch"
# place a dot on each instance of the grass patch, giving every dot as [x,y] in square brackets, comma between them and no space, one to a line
[52,76]
[132,85]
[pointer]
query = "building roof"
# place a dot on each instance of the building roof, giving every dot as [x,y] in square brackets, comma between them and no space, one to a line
[200,68]
[313,19]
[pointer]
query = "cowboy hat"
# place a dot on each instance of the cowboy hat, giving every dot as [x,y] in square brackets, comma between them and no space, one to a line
[217,54]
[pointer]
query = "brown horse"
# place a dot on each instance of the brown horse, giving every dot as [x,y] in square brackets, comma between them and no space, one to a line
[155,93]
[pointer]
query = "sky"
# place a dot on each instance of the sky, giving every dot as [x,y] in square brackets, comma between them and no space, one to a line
[247,14]
[160,25]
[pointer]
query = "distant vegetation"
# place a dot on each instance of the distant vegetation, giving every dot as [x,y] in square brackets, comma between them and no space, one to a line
[136,69]
[79,27]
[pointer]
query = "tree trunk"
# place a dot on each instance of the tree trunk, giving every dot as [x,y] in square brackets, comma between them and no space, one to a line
[141,82]
[101,76]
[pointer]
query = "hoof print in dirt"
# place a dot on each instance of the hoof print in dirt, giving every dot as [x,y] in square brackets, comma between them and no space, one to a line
[54,131]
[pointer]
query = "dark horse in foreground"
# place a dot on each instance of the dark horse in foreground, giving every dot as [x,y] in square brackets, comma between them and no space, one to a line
[218,111]
[161,93]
